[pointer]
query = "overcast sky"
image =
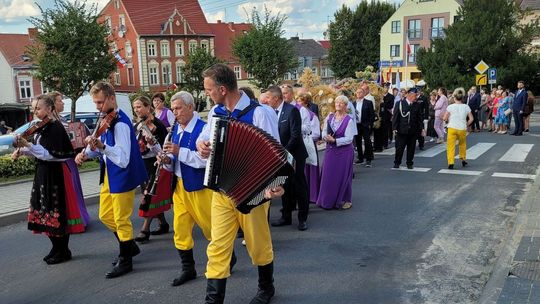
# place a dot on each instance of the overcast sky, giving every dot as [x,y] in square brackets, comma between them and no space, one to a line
[305,18]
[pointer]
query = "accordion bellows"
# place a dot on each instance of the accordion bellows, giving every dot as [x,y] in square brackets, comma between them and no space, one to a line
[245,160]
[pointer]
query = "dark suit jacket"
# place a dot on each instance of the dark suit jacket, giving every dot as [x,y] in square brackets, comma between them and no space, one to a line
[368,114]
[474,101]
[424,104]
[520,100]
[410,124]
[313,107]
[290,131]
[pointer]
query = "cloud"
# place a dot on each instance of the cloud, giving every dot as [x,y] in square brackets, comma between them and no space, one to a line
[18,9]
[283,7]
[215,17]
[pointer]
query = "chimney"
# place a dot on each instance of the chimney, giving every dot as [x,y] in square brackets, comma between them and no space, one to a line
[219,21]
[32,33]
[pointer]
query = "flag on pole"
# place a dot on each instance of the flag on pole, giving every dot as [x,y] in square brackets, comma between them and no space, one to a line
[121,62]
[408,46]
[398,86]
[389,75]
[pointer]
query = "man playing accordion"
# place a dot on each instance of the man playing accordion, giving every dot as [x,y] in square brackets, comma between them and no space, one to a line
[221,86]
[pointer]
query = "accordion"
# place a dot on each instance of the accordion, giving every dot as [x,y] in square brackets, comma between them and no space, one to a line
[245,160]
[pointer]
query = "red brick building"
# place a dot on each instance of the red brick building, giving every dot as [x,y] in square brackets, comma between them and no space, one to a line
[155,40]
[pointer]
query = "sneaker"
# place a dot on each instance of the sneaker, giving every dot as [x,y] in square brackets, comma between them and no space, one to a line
[368,164]
[346,205]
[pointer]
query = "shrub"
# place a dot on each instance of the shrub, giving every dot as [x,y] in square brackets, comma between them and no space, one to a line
[20,167]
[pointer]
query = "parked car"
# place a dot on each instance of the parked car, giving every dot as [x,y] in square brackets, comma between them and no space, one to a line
[85,105]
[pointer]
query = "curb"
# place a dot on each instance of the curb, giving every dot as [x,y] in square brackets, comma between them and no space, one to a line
[492,290]
[19,216]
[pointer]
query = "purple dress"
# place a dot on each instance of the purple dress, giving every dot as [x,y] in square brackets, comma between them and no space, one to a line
[163,117]
[337,170]
[75,179]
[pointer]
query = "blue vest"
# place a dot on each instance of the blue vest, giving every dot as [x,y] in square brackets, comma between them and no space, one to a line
[247,118]
[192,178]
[125,179]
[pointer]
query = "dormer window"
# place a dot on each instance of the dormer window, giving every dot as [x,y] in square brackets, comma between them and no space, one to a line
[25,58]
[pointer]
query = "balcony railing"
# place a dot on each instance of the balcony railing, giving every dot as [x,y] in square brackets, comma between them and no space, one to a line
[436,32]
[414,34]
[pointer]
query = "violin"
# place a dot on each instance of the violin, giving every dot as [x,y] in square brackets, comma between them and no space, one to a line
[145,126]
[34,128]
[103,123]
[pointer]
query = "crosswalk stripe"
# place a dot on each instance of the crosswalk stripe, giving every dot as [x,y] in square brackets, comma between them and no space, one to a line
[477,150]
[389,151]
[517,153]
[460,172]
[414,169]
[433,151]
[514,175]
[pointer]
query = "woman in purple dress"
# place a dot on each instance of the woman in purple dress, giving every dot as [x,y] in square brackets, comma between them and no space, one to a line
[162,112]
[337,169]
[312,172]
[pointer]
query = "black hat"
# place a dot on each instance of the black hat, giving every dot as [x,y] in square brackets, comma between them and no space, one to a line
[412,90]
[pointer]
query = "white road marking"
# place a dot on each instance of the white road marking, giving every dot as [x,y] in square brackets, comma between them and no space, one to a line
[477,150]
[438,149]
[389,151]
[415,169]
[514,175]
[517,153]
[460,172]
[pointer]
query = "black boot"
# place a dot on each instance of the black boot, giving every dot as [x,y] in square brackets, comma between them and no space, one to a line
[233,262]
[215,291]
[266,285]
[63,254]
[54,249]
[188,268]
[135,250]
[125,263]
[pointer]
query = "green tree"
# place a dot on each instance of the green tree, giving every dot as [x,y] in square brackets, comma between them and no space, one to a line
[488,30]
[197,62]
[71,48]
[354,37]
[263,51]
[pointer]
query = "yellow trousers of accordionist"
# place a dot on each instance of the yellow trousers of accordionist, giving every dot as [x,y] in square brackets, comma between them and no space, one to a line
[461,136]
[225,222]
[115,210]
[190,208]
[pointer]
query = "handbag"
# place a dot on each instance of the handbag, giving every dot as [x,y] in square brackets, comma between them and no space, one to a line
[507,111]
[311,150]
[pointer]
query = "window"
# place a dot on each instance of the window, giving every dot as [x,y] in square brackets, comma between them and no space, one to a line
[204,45]
[108,23]
[152,49]
[412,55]
[238,72]
[164,49]
[249,76]
[294,74]
[129,50]
[396,27]
[192,46]
[166,73]
[394,50]
[315,71]
[324,72]
[437,26]
[121,23]
[415,29]
[287,76]
[25,87]
[179,47]
[153,74]
[130,76]
[44,89]
[117,79]
[180,71]
[117,4]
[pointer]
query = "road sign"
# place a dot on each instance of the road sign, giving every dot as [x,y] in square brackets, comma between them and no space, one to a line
[481,79]
[492,76]
[481,67]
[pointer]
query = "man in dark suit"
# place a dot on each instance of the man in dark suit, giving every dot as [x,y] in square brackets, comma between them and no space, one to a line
[517,108]
[407,125]
[424,106]
[290,135]
[365,117]
[473,100]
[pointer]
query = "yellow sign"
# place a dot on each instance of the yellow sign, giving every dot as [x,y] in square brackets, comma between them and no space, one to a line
[481,67]
[481,79]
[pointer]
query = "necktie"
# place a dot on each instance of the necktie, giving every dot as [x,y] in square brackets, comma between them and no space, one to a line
[277,112]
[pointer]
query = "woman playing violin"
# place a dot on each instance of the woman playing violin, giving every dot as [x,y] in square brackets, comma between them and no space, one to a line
[149,148]
[53,206]
[122,170]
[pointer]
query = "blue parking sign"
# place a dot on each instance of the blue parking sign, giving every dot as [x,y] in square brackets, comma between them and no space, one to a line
[492,74]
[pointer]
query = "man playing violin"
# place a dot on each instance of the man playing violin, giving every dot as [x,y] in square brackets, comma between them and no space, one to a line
[122,170]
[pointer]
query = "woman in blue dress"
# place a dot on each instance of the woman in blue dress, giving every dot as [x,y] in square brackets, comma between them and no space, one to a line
[502,118]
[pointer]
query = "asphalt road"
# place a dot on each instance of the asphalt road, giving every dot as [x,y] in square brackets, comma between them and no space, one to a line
[411,237]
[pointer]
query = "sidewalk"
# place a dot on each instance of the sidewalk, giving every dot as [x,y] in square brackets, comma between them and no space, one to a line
[15,197]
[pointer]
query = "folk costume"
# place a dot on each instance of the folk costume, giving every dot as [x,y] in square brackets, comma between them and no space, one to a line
[122,170]
[337,168]
[226,219]
[54,209]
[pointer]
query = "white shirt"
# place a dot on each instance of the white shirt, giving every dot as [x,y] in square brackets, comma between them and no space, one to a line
[458,116]
[315,128]
[306,121]
[351,111]
[370,98]
[119,153]
[349,132]
[185,155]
[359,104]
[262,118]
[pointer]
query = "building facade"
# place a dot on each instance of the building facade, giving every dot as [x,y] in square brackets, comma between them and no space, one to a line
[311,54]
[17,81]
[414,24]
[152,45]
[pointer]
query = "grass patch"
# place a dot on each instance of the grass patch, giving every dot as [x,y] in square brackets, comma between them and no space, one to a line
[86,166]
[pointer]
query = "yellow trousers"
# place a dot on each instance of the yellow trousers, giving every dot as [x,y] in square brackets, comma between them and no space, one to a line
[225,222]
[189,208]
[461,136]
[115,210]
